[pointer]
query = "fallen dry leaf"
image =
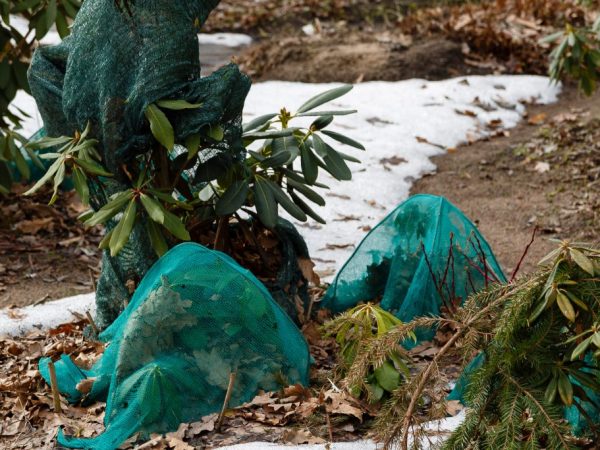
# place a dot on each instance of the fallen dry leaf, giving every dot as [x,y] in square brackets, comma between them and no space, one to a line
[297,437]
[307,267]
[538,119]
[453,407]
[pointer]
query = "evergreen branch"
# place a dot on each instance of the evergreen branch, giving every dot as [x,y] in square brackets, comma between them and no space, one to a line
[558,433]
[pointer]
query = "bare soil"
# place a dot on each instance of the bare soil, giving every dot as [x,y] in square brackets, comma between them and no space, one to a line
[504,186]
[355,57]
[44,252]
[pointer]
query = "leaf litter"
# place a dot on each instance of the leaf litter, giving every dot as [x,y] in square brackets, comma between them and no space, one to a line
[293,415]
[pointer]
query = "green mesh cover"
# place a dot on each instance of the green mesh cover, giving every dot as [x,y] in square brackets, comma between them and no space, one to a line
[118,60]
[196,317]
[399,259]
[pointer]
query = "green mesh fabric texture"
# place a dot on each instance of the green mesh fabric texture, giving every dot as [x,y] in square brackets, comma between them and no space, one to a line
[117,61]
[196,317]
[423,239]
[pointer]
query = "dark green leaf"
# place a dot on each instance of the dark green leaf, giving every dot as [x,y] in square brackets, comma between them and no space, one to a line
[216,132]
[58,179]
[51,13]
[105,242]
[19,159]
[343,139]
[582,261]
[62,26]
[387,377]
[336,165]
[324,97]
[257,123]
[347,157]
[307,209]
[306,191]
[266,207]
[47,176]
[300,179]
[176,226]
[550,394]
[92,167]
[319,146]
[565,306]
[278,159]
[270,134]
[321,122]
[327,113]
[153,208]
[161,128]
[177,105]
[156,238]
[233,199]
[110,209]
[581,348]
[565,389]
[192,143]
[48,143]
[81,186]
[122,231]
[310,167]
[285,202]
[288,144]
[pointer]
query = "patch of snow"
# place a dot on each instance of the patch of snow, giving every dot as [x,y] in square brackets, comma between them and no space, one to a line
[402,124]
[309,29]
[26,103]
[358,445]
[22,26]
[15,322]
[225,39]
[435,433]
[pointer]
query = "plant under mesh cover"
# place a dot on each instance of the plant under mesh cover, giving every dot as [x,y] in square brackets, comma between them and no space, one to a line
[423,256]
[117,61]
[196,317]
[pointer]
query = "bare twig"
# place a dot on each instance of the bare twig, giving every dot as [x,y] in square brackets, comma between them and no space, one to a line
[516,271]
[92,323]
[92,279]
[54,387]
[329,427]
[438,287]
[403,427]
[219,243]
[226,401]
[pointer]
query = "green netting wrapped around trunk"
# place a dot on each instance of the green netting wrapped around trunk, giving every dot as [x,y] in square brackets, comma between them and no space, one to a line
[119,59]
[423,256]
[196,317]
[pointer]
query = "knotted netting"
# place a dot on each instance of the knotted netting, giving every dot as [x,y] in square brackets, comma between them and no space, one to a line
[425,255]
[196,318]
[121,57]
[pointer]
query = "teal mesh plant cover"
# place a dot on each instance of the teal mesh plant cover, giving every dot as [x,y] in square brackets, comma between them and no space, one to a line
[119,58]
[423,256]
[196,317]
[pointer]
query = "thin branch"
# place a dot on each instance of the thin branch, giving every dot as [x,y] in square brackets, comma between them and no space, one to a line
[226,401]
[516,271]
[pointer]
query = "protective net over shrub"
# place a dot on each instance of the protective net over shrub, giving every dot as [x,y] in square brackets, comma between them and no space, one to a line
[121,57]
[196,317]
[424,256]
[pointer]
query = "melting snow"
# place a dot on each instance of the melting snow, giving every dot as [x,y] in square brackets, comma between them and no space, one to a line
[402,124]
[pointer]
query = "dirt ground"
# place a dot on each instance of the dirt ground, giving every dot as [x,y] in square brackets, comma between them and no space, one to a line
[499,188]
[355,57]
[45,253]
